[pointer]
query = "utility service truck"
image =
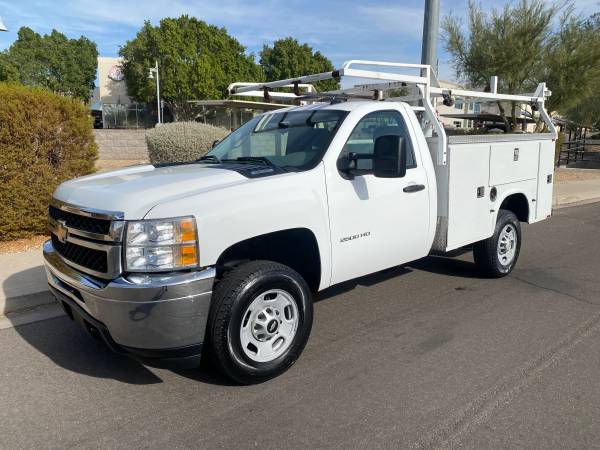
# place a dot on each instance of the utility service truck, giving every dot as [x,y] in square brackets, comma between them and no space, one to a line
[221,255]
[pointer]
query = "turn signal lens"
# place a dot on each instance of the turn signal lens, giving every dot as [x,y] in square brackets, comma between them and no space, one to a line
[188,255]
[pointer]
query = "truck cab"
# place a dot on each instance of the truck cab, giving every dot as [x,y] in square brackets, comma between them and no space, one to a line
[221,255]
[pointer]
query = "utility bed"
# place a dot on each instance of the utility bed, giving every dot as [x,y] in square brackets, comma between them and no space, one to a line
[482,168]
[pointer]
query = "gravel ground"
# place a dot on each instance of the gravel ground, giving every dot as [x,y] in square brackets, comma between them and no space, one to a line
[22,245]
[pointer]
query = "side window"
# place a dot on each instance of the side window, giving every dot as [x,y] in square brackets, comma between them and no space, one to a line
[372,126]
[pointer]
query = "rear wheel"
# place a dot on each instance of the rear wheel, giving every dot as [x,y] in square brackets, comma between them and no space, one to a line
[260,321]
[497,255]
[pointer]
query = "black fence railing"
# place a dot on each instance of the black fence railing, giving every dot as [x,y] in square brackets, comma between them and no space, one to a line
[572,152]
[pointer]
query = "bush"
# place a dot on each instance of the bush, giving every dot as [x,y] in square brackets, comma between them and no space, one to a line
[45,139]
[181,141]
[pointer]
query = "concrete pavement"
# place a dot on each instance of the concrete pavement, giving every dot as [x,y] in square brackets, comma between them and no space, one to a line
[427,355]
[22,281]
[576,192]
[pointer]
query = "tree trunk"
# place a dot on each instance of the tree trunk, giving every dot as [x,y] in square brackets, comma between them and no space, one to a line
[507,128]
[513,115]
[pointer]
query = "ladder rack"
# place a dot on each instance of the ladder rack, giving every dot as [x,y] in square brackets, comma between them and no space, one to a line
[428,89]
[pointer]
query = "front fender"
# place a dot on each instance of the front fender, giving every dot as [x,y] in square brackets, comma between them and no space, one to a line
[263,205]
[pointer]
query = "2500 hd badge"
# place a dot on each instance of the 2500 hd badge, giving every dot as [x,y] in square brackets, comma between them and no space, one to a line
[355,236]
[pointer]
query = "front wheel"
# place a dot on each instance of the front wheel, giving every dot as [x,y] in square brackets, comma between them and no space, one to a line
[497,255]
[260,321]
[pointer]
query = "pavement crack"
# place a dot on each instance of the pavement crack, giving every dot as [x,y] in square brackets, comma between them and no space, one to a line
[556,291]
[449,434]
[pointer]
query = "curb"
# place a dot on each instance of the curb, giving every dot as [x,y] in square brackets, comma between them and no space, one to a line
[25,302]
[576,203]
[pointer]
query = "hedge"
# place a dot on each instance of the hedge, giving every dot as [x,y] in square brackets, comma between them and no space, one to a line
[45,139]
[181,141]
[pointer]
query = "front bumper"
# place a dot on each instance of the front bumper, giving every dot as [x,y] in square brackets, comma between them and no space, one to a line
[159,319]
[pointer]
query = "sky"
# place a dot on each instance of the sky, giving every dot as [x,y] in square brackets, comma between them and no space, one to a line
[340,29]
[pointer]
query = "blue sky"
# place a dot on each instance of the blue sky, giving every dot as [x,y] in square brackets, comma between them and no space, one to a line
[341,29]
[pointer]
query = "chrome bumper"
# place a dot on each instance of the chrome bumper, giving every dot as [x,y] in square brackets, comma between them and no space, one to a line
[146,314]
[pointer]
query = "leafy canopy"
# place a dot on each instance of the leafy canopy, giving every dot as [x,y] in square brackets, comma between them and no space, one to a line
[287,58]
[196,61]
[52,61]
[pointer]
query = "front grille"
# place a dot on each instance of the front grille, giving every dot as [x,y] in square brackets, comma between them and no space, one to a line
[96,260]
[89,224]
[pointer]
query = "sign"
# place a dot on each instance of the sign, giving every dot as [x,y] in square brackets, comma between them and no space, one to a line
[115,73]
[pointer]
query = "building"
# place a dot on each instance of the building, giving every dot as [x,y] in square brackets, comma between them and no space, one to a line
[111,99]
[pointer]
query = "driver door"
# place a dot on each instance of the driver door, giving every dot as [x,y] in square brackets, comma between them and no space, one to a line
[377,223]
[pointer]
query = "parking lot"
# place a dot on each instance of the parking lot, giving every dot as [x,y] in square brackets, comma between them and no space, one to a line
[425,355]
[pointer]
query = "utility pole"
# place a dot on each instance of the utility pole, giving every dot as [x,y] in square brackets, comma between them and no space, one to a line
[431,27]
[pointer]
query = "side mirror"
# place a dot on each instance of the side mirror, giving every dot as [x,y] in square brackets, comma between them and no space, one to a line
[389,157]
[215,142]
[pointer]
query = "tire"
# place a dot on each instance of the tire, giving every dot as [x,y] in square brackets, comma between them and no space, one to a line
[260,320]
[497,256]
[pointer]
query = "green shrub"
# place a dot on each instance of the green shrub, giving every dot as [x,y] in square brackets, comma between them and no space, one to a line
[181,141]
[557,148]
[45,139]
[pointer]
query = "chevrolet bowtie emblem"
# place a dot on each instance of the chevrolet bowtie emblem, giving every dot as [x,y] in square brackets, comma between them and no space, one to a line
[61,231]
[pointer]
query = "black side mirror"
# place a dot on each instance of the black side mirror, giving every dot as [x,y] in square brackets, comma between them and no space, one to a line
[389,157]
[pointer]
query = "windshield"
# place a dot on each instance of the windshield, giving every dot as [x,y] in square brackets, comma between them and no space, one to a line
[294,140]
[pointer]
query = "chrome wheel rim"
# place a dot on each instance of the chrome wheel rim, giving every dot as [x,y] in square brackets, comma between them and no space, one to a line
[507,244]
[269,325]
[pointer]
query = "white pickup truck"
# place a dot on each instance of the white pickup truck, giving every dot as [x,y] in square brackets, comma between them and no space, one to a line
[222,254]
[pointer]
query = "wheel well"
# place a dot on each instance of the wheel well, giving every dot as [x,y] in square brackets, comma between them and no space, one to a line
[517,203]
[296,248]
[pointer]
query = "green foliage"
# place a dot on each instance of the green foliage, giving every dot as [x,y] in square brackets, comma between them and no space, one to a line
[557,146]
[287,58]
[571,64]
[65,66]
[45,139]
[181,141]
[196,61]
[520,44]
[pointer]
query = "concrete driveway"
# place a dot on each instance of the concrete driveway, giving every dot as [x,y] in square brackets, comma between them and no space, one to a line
[426,355]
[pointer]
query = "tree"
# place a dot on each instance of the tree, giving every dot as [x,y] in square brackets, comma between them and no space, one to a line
[508,43]
[571,63]
[52,61]
[196,61]
[287,58]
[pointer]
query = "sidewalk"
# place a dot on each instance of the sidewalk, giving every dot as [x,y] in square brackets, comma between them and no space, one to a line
[23,278]
[576,192]
[22,281]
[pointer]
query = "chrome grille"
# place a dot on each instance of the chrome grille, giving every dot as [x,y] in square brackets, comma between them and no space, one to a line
[87,239]
[90,224]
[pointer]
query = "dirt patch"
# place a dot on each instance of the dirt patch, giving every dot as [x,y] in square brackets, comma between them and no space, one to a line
[566,175]
[22,245]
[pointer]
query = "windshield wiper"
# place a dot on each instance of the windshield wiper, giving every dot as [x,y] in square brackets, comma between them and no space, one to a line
[254,159]
[210,158]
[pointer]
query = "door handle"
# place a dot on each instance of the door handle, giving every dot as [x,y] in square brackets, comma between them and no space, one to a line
[414,188]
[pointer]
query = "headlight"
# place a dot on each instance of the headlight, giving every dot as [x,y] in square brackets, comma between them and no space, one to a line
[161,245]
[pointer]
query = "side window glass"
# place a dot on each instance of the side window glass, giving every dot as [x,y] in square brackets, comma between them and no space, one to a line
[372,126]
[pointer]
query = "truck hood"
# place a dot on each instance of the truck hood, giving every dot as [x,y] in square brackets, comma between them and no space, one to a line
[135,190]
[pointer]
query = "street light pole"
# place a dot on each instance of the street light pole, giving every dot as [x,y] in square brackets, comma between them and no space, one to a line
[154,72]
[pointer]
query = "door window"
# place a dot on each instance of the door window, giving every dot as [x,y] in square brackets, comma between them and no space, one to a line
[369,128]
